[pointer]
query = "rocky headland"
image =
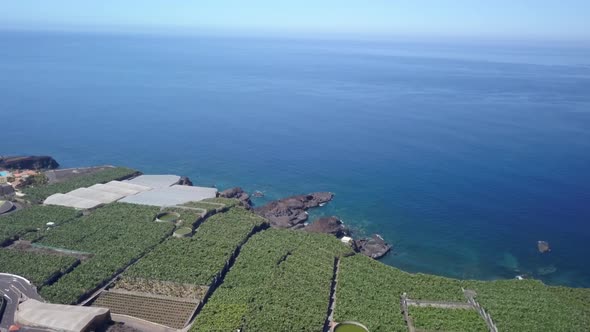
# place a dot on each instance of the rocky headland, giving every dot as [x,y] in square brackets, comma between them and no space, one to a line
[374,247]
[28,162]
[329,225]
[291,212]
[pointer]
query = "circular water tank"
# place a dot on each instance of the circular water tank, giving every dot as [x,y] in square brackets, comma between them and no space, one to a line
[5,206]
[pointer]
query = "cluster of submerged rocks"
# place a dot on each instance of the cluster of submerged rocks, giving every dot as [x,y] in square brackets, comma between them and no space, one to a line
[291,213]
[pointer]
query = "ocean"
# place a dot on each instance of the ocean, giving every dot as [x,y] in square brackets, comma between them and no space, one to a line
[461,155]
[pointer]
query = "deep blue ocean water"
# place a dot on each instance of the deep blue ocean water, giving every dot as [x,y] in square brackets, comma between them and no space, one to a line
[463,156]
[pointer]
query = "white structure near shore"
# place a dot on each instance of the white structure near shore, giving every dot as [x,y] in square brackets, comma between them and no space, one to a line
[156,190]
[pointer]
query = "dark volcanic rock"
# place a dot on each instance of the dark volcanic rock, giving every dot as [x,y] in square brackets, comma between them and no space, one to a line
[374,247]
[543,246]
[289,212]
[28,162]
[328,225]
[185,181]
[238,193]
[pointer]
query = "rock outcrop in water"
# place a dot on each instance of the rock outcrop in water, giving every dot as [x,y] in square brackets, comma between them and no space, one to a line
[543,246]
[328,225]
[185,181]
[374,247]
[290,212]
[28,162]
[239,194]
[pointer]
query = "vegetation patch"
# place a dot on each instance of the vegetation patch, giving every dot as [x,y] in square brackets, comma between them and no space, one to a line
[280,282]
[117,234]
[197,260]
[37,268]
[439,319]
[39,193]
[369,292]
[529,305]
[33,220]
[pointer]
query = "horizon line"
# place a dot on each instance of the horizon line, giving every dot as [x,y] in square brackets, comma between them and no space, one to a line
[181,31]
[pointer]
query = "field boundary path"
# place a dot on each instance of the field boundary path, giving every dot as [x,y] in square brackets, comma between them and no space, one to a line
[470,295]
[471,304]
[439,304]
[407,318]
[332,303]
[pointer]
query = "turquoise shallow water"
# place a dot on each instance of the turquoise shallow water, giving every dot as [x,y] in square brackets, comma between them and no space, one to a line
[462,156]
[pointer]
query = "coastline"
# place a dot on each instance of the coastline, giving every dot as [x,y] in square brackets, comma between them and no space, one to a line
[208,255]
[317,211]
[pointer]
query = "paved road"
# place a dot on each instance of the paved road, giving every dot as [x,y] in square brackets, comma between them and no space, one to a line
[12,287]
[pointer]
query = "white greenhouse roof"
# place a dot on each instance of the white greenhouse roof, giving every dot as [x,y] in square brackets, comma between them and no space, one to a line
[156,190]
[174,195]
[155,181]
[71,201]
[128,185]
[96,195]
[116,189]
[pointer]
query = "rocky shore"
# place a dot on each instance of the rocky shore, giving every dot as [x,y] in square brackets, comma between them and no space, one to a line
[329,225]
[291,212]
[374,247]
[238,194]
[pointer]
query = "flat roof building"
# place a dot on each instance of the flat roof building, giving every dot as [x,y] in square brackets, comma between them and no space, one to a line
[59,317]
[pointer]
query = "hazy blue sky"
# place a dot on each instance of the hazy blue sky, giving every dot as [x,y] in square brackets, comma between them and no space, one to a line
[514,19]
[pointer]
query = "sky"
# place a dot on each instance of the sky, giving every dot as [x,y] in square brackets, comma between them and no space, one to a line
[496,19]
